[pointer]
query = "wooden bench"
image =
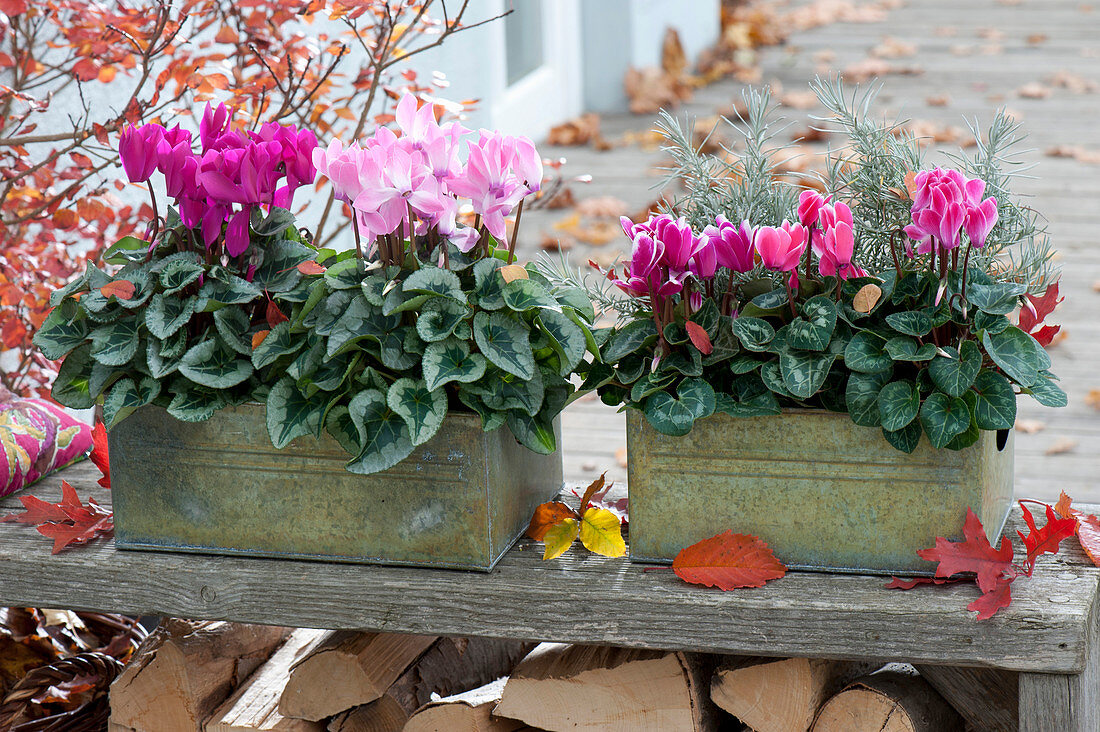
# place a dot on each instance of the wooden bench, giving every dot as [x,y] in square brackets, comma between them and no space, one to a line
[1046,643]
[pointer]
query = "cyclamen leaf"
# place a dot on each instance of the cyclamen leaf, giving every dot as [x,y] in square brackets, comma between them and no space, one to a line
[524,294]
[505,341]
[566,338]
[624,341]
[601,532]
[422,409]
[728,561]
[911,322]
[1017,353]
[167,314]
[898,404]
[866,353]
[995,406]
[57,336]
[214,367]
[383,434]
[435,281]
[955,372]
[116,343]
[943,417]
[973,554]
[451,360]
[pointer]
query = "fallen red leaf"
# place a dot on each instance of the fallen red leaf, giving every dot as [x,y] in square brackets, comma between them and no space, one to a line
[1088,527]
[699,337]
[99,455]
[548,515]
[897,583]
[728,561]
[1047,539]
[122,289]
[68,522]
[274,315]
[311,268]
[973,554]
[989,603]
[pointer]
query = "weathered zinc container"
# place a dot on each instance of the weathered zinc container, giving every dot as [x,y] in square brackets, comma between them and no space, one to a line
[219,486]
[824,493]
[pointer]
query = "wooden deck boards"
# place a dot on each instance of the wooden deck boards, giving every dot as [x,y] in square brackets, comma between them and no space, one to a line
[578,598]
[1064,189]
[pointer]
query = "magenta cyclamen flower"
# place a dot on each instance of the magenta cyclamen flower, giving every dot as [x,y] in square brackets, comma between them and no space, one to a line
[138,149]
[780,248]
[980,220]
[944,202]
[837,251]
[733,244]
[810,204]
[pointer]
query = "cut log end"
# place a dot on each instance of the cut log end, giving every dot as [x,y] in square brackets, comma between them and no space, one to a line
[888,701]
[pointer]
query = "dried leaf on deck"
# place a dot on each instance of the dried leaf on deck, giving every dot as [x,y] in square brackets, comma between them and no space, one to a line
[728,561]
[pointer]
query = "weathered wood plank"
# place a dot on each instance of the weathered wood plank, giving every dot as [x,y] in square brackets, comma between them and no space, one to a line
[580,598]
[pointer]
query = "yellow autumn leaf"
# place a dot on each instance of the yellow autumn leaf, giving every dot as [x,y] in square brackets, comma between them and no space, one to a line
[602,533]
[512,272]
[559,537]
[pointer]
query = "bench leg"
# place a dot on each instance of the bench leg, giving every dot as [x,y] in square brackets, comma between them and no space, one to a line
[1065,702]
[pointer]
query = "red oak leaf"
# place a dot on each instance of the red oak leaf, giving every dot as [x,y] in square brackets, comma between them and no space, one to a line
[1038,308]
[973,554]
[699,338]
[897,583]
[1088,527]
[68,522]
[990,602]
[1045,540]
[99,455]
[1045,335]
[728,561]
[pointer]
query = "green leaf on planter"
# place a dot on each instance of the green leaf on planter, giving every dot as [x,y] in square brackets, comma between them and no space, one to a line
[804,371]
[903,348]
[114,344]
[488,287]
[998,298]
[338,424]
[744,364]
[490,420]
[345,274]
[290,414]
[505,341]
[126,396]
[990,323]
[995,403]
[768,303]
[523,295]
[383,435]
[754,333]
[898,405]
[451,360]
[435,281]
[675,416]
[955,372]
[772,376]
[534,433]
[813,331]
[650,384]
[970,435]
[631,368]
[191,403]
[233,325]
[688,362]
[1047,393]
[360,320]
[70,388]
[866,354]
[159,366]
[566,338]
[577,299]
[209,365]
[60,333]
[178,274]
[394,353]
[422,409]
[174,346]
[228,289]
[438,319]
[330,375]
[905,439]
[507,392]
[910,322]
[861,395]
[943,417]
[626,340]
[167,314]
[1019,355]
[750,398]
[279,342]
[125,250]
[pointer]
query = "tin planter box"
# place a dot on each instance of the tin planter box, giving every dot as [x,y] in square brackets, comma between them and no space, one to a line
[219,487]
[824,493]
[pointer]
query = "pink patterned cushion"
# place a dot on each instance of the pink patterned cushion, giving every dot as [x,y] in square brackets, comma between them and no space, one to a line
[36,438]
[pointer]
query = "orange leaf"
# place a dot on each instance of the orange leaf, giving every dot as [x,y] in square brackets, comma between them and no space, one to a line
[699,337]
[911,183]
[546,516]
[258,338]
[728,561]
[122,289]
[591,490]
[311,268]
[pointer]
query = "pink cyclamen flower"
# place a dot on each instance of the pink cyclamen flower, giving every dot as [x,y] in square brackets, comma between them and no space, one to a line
[681,245]
[732,244]
[780,248]
[942,204]
[837,252]
[214,125]
[980,220]
[137,147]
[810,204]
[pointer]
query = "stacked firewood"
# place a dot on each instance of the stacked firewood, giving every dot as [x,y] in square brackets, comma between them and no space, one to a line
[225,677]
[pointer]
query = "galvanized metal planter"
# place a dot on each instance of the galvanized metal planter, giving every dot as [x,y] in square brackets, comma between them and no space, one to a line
[460,500]
[823,492]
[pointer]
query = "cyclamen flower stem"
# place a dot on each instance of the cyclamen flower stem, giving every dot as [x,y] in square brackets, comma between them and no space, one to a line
[515,232]
[809,247]
[790,296]
[155,223]
[966,272]
[894,254]
[412,230]
[729,294]
[358,244]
